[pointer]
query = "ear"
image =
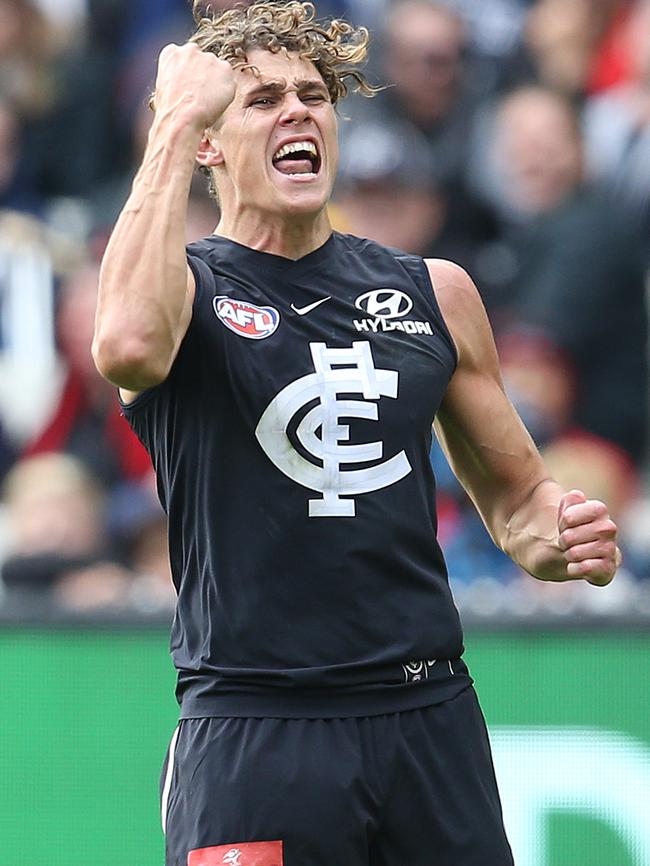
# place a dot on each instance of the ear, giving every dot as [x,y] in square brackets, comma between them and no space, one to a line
[209,152]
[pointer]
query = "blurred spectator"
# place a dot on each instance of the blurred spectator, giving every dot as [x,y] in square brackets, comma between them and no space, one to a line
[564,40]
[589,463]
[68,15]
[380,163]
[86,421]
[32,258]
[612,63]
[26,48]
[541,383]
[384,162]
[617,125]
[60,86]
[577,271]
[58,541]
[15,192]
[27,342]
[494,31]
[422,66]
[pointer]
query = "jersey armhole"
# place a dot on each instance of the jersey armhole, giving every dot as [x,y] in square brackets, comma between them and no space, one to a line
[444,329]
[203,278]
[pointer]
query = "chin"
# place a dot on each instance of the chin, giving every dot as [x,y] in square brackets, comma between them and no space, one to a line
[303,197]
[303,202]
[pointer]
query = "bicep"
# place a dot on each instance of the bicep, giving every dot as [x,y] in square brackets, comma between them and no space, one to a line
[488,447]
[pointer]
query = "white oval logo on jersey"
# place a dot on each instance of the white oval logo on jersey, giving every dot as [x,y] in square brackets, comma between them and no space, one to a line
[384,304]
[245,319]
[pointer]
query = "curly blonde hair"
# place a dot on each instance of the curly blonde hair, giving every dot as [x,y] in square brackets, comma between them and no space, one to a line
[336,48]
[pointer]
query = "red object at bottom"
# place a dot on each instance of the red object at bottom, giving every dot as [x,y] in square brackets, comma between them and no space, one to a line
[238,854]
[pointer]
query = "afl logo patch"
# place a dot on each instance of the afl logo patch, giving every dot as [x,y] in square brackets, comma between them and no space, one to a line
[245,319]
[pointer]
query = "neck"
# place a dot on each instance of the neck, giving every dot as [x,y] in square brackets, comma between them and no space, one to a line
[291,237]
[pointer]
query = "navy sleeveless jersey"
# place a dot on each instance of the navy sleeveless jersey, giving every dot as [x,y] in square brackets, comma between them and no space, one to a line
[291,444]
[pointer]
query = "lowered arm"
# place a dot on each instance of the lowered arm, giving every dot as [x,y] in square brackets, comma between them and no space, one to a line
[551,534]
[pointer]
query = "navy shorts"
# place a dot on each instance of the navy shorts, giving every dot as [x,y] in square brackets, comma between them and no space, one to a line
[414,788]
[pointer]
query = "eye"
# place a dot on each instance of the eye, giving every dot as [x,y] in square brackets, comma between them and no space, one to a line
[314,98]
[263,101]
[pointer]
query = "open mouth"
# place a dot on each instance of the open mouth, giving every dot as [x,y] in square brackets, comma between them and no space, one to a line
[298,158]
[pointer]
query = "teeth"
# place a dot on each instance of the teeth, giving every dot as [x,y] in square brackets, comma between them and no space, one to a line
[294,147]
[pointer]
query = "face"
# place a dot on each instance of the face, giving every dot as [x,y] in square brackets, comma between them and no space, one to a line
[540,150]
[424,58]
[276,149]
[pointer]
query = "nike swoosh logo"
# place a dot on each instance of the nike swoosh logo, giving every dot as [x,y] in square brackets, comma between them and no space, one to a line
[302,311]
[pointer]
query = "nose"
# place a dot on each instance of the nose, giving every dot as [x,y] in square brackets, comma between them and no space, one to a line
[294,110]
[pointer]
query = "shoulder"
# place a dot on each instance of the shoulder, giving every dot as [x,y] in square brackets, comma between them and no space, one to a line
[462,308]
[452,284]
[205,247]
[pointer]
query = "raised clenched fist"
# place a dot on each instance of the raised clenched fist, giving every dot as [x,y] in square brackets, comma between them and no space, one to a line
[193,83]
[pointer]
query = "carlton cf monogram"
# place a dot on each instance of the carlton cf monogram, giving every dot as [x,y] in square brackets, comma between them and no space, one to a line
[323,436]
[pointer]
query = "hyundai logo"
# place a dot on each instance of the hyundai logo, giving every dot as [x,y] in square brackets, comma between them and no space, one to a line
[384,304]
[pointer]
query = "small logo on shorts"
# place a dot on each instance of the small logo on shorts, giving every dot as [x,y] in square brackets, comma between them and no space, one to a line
[239,854]
[247,320]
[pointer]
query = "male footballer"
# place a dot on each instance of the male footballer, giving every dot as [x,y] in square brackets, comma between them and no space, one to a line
[285,379]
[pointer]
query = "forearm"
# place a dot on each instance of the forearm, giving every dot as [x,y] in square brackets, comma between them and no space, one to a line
[143,281]
[530,536]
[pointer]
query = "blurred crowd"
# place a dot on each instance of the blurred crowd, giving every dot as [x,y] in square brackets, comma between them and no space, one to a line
[511,136]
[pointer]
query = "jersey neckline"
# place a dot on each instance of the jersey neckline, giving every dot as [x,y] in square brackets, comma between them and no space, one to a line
[273,260]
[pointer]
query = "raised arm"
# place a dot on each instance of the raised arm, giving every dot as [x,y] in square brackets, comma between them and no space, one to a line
[146,288]
[553,535]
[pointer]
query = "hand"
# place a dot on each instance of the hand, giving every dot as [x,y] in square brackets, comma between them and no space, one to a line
[194,82]
[587,536]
